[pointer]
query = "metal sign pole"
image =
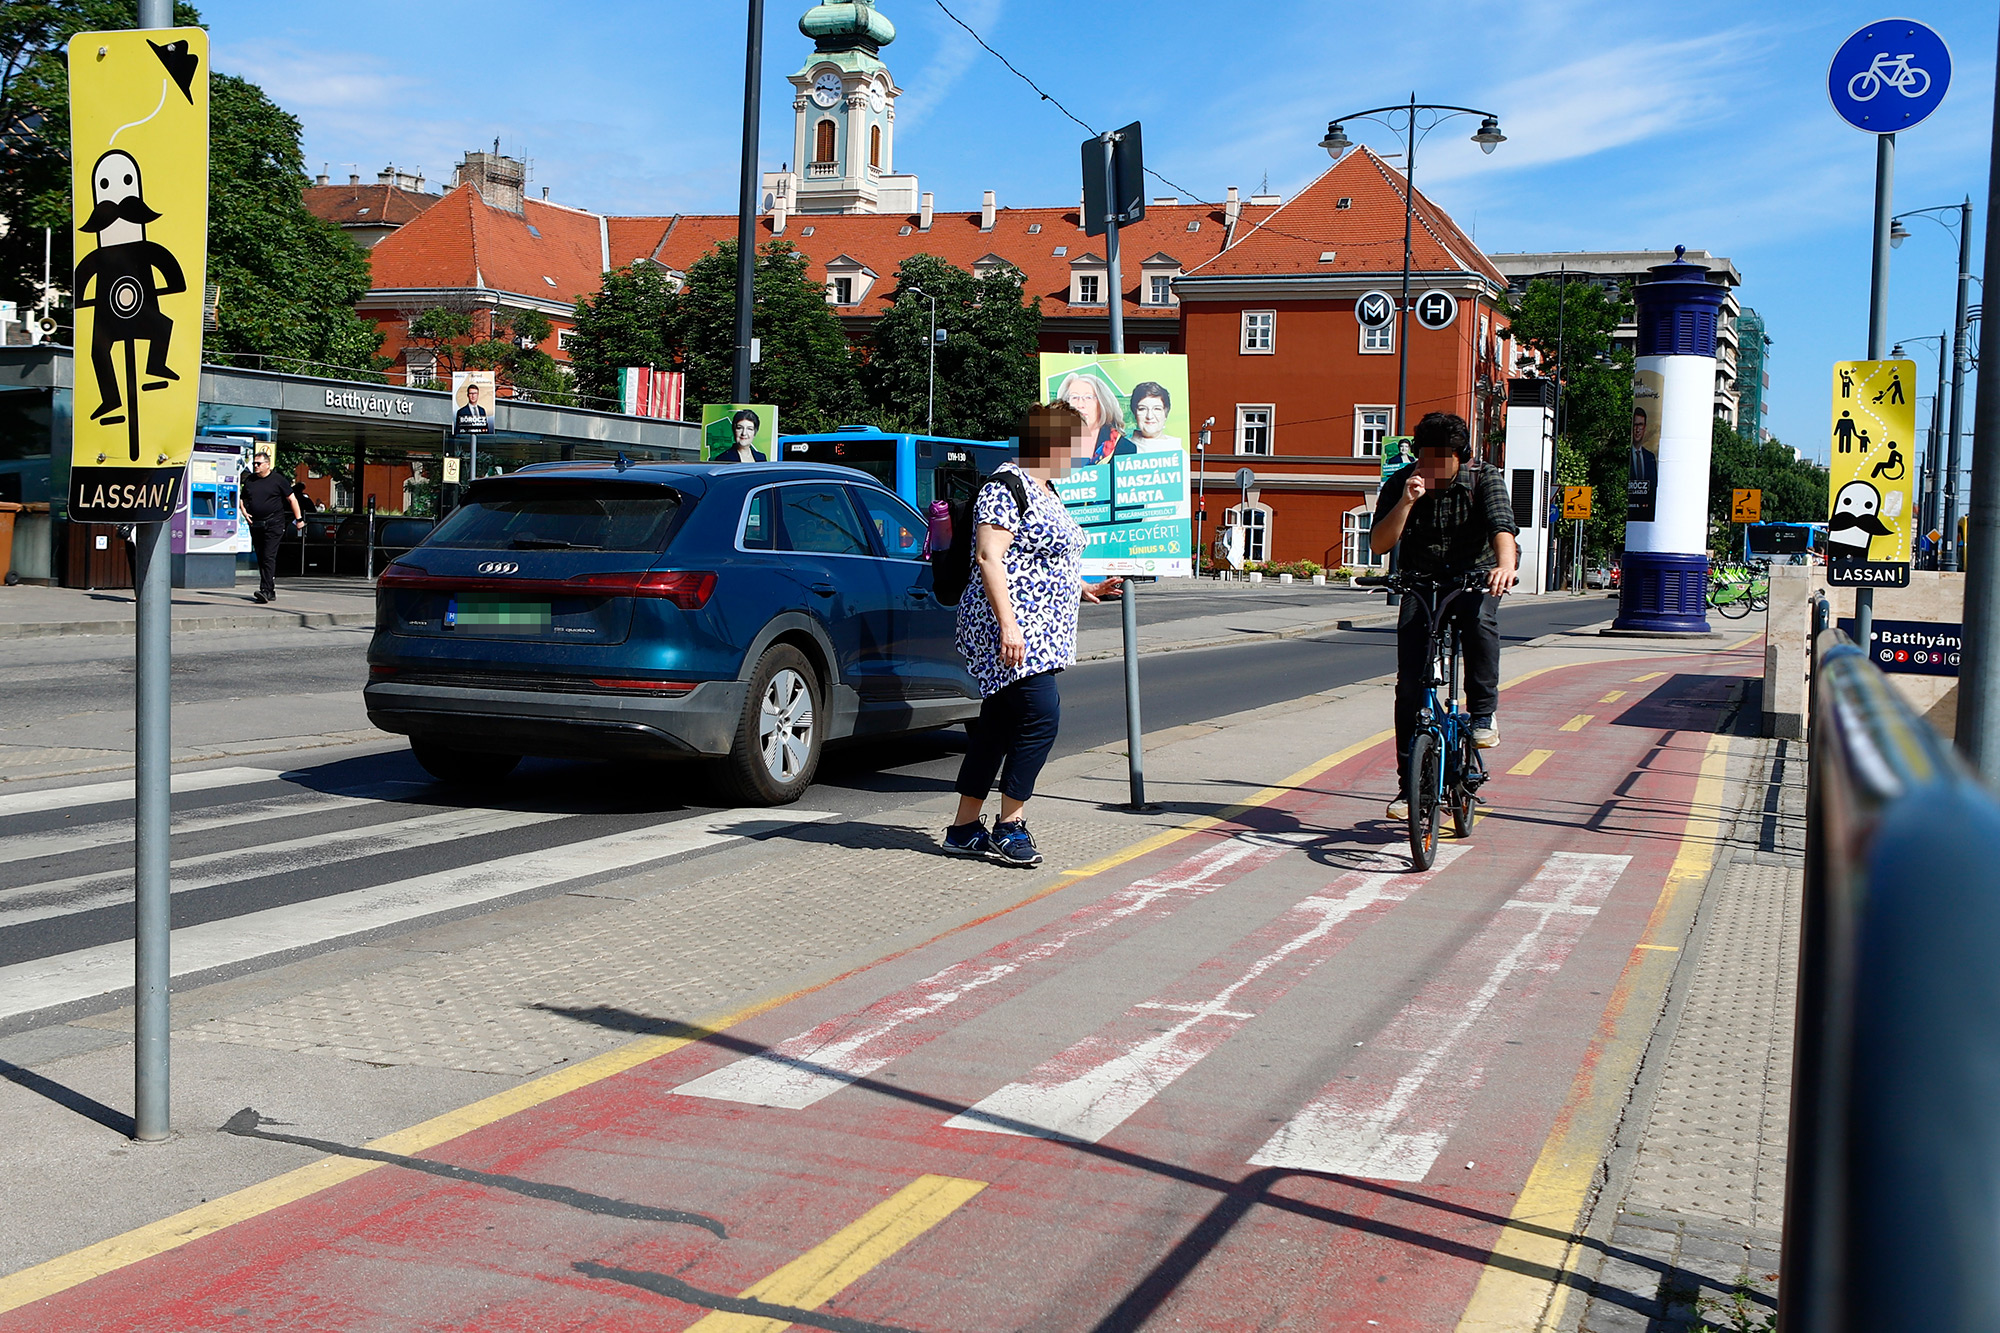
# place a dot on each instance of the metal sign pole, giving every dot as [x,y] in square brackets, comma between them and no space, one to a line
[1978,735]
[1129,603]
[1948,536]
[746,202]
[152,756]
[1878,326]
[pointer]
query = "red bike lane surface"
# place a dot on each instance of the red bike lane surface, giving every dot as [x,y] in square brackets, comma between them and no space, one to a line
[1262,1076]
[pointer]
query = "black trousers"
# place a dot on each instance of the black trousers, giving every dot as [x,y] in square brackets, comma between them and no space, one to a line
[264,539]
[1478,621]
[1011,738]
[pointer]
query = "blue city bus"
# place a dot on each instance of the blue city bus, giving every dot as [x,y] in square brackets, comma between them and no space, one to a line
[1789,543]
[920,468]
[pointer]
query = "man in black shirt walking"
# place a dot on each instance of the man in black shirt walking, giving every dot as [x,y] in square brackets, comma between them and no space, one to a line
[271,506]
[1452,518]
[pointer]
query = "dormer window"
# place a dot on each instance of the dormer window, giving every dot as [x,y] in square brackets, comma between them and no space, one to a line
[1086,289]
[1089,280]
[1160,290]
[1156,287]
[843,291]
[848,281]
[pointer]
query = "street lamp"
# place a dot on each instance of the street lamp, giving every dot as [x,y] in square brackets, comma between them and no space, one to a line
[930,404]
[1948,534]
[1927,500]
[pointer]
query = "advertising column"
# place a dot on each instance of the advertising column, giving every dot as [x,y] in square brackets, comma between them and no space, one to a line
[1663,588]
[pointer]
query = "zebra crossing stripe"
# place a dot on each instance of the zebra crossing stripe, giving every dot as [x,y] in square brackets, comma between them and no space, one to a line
[1096,1085]
[1388,1115]
[106,969]
[20,848]
[99,793]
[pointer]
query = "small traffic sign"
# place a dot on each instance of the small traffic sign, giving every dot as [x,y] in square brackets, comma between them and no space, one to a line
[1871,476]
[138,119]
[1746,506]
[1576,502]
[1374,309]
[1889,76]
[1435,309]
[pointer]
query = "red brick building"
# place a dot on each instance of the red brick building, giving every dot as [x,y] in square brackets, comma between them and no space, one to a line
[1301,392]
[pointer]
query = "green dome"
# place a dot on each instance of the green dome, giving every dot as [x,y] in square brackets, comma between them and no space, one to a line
[835,27]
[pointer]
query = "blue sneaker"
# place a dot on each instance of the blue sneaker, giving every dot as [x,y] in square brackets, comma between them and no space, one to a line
[1012,845]
[968,839]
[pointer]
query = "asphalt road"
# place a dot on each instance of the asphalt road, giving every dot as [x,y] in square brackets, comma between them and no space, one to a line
[361,817]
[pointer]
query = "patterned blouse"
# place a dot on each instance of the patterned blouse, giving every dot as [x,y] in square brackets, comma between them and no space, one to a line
[1044,580]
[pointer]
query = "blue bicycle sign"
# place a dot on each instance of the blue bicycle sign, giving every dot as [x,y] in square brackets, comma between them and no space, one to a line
[1889,76]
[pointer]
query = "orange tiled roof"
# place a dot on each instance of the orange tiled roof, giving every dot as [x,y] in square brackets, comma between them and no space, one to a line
[545,251]
[1365,236]
[366,205]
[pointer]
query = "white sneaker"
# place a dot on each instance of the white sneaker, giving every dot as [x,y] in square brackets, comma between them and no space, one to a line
[1399,809]
[1485,732]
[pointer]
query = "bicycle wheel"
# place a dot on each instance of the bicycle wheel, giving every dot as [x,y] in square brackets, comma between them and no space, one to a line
[1916,83]
[1736,606]
[1865,79]
[1462,799]
[1421,789]
[1759,602]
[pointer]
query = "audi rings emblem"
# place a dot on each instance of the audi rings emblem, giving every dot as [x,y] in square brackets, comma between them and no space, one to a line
[499,567]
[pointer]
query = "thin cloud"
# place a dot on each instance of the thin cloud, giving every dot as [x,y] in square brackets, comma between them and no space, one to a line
[949,63]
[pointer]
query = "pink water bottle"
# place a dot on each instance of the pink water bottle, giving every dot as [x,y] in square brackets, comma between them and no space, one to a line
[940,526]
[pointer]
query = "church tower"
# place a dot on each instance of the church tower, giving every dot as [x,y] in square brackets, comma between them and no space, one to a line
[844,132]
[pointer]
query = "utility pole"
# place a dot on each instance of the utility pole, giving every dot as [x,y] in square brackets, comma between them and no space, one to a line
[746,201]
[1948,538]
[1978,733]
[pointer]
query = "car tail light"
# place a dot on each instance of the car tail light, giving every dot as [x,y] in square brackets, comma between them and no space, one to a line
[405,575]
[646,686]
[382,672]
[685,588]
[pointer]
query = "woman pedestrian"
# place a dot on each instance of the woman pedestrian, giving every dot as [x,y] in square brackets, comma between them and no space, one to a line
[1017,629]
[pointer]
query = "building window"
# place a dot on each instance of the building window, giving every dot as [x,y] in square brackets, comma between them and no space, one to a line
[1162,289]
[1354,552]
[1253,430]
[1153,349]
[1083,347]
[1371,425]
[1260,330]
[421,369]
[843,291]
[875,147]
[1484,345]
[1086,289]
[1255,520]
[563,339]
[1380,338]
[823,141]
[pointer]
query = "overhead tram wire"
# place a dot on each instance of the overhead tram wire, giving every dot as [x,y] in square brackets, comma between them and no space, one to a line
[1051,99]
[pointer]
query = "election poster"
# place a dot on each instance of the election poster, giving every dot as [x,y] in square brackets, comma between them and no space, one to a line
[472,395]
[1129,485]
[138,120]
[738,432]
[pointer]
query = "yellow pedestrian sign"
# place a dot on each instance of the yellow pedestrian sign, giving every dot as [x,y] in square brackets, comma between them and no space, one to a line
[1576,502]
[1871,481]
[1746,506]
[139,190]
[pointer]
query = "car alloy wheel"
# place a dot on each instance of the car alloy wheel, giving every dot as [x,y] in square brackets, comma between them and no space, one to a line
[785,725]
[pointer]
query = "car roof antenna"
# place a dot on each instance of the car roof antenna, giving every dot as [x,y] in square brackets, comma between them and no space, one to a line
[623,461]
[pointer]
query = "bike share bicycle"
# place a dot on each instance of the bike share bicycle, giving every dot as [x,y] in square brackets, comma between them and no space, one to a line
[1445,769]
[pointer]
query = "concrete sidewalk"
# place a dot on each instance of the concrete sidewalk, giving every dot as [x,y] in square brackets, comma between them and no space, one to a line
[37,612]
[392,1031]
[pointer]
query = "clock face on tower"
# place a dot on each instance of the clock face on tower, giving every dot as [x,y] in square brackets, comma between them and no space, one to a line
[875,99]
[826,89]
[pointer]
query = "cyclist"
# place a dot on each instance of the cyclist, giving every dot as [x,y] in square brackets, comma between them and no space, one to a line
[1452,517]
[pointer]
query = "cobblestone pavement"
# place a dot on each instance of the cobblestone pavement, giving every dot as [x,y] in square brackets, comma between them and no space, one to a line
[1694,1237]
[535,999]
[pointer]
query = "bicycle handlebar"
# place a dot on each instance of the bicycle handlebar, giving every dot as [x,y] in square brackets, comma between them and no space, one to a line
[1408,581]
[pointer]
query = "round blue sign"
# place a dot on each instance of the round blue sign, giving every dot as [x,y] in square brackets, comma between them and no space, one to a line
[1889,76]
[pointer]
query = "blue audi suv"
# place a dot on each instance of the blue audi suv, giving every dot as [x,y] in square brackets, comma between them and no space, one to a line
[747,613]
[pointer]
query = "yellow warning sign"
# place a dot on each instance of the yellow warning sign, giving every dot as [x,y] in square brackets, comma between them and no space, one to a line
[1871,482]
[1745,505]
[1576,502]
[139,187]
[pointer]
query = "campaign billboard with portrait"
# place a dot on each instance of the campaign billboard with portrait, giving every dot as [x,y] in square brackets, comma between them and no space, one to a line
[739,432]
[1129,485]
[472,396]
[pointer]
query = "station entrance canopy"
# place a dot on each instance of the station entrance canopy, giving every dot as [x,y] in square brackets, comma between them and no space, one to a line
[384,440]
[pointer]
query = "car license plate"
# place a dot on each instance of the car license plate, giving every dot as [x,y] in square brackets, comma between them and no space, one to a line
[501,615]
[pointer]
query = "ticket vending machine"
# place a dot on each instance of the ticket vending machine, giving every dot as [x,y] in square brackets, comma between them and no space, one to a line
[208,530]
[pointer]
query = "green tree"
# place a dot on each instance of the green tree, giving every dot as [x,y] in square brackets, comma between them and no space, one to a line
[512,349]
[626,322]
[986,370]
[1794,488]
[807,368]
[34,130]
[1571,325]
[288,280]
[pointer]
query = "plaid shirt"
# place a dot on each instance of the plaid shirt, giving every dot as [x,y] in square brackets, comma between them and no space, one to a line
[1450,531]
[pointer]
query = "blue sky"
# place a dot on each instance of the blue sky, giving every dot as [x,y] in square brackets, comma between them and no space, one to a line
[1704,124]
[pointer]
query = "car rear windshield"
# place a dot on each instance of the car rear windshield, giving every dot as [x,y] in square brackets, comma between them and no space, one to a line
[521,517]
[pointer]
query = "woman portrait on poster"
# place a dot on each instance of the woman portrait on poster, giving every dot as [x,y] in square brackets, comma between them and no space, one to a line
[743,426]
[1103,417]
[1150,405]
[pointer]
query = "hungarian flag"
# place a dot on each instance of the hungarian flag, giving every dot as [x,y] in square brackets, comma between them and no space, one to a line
[646,392]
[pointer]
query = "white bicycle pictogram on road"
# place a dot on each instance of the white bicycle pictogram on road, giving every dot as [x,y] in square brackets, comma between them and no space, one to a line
[1891,71]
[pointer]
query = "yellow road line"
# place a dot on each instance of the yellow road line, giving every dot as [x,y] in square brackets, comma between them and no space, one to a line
[1577,723]
[1663,948]
[1612,697]
[1650,675]
[1530,761]
[827,1269]
[1527,1277]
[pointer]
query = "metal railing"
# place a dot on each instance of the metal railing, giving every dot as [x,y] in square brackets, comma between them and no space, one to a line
[1892,1189]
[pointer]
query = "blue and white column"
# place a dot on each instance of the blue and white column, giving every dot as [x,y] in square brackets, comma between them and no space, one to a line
[1663,586]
